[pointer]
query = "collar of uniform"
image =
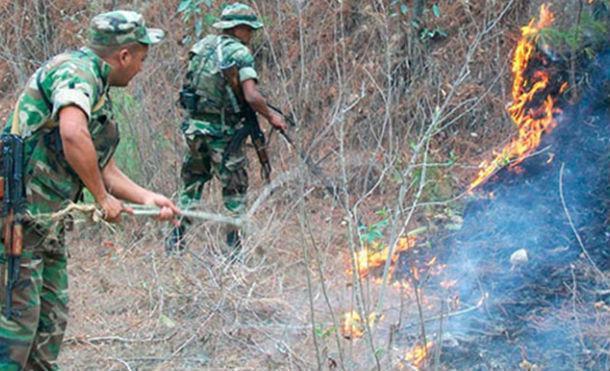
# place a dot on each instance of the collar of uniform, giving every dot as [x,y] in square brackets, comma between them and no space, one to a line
[231,37]
[103,67]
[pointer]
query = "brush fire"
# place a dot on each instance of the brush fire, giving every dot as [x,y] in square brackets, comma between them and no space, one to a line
[375,255]
[533,239]
[545,228]
[418,354]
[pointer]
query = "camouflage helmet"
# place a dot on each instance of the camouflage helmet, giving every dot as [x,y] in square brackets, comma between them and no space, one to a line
[238,14]
[122,27]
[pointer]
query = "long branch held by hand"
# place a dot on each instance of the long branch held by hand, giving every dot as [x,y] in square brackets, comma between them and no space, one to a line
[145,210]
[138,210]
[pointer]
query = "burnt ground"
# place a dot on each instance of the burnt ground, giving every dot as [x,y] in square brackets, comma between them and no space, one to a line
[538,312]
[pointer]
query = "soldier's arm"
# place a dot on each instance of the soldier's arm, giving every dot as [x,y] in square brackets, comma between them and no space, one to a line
[80,154]
[121,186]
[248,79]
[256,100]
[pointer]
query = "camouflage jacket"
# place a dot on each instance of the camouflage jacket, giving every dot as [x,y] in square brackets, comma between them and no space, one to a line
[215,112]
[76,78]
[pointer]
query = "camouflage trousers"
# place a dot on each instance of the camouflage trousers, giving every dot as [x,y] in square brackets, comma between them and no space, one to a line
[31,339]
[204,161]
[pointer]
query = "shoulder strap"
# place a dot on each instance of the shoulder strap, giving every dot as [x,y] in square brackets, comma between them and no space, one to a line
[45,98]
[193,77]
[222,67]
[219,54]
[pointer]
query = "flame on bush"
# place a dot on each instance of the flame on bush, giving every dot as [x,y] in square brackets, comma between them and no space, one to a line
[418,354]
[375,255]
[531,122]
[353,327]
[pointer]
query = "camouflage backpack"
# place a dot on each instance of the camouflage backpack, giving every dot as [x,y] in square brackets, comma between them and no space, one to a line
[206,91]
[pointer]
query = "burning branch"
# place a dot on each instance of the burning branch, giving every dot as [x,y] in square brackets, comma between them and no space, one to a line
[532,115]
[353,326]
[375,255]
[418,354]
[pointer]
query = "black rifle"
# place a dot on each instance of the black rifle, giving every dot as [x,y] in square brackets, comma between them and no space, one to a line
[330,187]
[13,209]
[251,127]
[306,158]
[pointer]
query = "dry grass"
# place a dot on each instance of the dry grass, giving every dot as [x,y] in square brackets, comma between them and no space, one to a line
[133,305]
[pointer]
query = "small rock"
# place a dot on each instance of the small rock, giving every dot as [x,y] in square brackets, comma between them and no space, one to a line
[519,257]
[528,366]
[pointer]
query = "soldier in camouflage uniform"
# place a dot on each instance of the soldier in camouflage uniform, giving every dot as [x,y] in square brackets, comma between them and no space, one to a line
[65,118]
[212,119]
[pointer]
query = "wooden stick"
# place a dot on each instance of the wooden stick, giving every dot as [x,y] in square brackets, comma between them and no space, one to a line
[202,215]
[95,214]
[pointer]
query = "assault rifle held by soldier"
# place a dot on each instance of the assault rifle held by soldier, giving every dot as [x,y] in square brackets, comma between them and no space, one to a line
[12,192]
[251,126]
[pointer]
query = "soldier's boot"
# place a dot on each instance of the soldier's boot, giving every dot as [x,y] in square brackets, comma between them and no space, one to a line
[234,244]
[174,243]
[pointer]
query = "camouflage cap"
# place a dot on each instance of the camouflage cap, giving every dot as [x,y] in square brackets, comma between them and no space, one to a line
[122,27]
[238,14]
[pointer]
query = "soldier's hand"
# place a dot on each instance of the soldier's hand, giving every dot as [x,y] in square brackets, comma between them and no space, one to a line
[112,208]
[167,209]
[277,121]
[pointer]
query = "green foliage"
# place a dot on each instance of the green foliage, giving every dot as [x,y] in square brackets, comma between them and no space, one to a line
[438,182]
[436,10]
[373,232]
[199,14]
[399,7]
[452,160]
[126,155]
[166,321]
[431,34]
[384,213]
[404,9]
[324,332]
[586,36]
[426,33]
[88,197]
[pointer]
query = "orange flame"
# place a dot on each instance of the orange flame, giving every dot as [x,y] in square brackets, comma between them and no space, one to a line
[353,327]
[375,256]
[418,354]
[531,122]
